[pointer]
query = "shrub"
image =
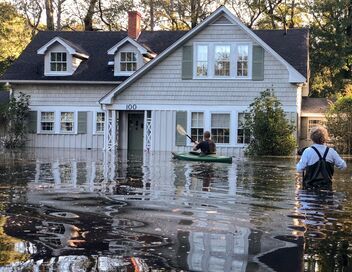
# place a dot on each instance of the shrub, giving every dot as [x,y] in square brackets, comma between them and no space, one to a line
[15,113]
[271,132]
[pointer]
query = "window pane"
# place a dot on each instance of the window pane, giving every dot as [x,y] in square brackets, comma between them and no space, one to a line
[58,61]
[66,121]
[243,134]
[197,126]
[220,127]
[47,121]
[202,60]
[100,121]
[222,60]
[242,60]
[128,61]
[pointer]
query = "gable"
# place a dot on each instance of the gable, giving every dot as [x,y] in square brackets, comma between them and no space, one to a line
[218,16]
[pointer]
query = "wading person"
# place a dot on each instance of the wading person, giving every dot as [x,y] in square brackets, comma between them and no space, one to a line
[207,146]
[318,161]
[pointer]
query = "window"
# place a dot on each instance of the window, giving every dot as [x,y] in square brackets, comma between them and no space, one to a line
[242,60]
[66,122]
[222,60]
[100,122]
[58,62]
[314,123]
[243,135]
[128,62]
[47,121]
[230,61]
[220,127]
[197,126]
[202,60]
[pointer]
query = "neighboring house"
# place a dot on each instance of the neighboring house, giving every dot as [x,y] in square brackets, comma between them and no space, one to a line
[4,99]
[312,114]
[110,89]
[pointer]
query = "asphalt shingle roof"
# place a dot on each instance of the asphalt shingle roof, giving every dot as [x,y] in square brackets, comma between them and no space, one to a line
[293,47]
[314,105]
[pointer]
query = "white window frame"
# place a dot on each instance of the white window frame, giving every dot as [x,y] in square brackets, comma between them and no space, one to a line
[41,121]
[238,127]
[233,60]
[95,119]
[230,127]
[120,62]
[230,60]
[321,123]
[196,60]
[58,62]
[74,123]
[203,127]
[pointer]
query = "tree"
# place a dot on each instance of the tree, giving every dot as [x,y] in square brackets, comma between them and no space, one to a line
[271,132]
[14,35]
[16,113]
[331,46]
[339,116]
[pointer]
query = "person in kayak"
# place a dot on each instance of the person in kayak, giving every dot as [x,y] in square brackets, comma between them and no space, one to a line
[318,161]
[207,146]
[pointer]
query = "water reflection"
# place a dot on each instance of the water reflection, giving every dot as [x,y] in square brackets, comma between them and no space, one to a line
[86,210]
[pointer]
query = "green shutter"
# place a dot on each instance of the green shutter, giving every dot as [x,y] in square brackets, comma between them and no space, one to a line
[32,121]
[258,63]
[187,62]
[82,122]
[181,119]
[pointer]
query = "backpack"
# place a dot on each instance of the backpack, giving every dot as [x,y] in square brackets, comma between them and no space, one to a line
[320,173]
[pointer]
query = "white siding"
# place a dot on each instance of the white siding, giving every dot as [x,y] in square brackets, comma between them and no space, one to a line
[65,98]
[63,94]
[163,84]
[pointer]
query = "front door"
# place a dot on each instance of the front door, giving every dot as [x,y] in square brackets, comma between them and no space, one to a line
[135,131]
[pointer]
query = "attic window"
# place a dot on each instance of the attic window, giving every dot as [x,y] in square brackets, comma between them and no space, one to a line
[128,62]
[58,62]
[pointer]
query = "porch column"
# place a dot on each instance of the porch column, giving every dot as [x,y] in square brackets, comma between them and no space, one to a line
[110,142]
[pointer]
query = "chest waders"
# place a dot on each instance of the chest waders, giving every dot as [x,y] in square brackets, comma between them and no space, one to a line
[319,174]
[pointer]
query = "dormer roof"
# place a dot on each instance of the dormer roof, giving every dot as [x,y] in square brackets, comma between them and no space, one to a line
[71,47]
[143,50]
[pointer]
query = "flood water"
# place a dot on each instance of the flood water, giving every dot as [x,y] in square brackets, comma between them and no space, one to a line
[83,210]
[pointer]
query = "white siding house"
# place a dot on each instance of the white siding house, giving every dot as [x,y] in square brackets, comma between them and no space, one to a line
[223,59]
[111,90]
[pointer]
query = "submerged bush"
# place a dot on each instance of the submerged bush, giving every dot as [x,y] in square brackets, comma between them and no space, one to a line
[16,113]
[271,132]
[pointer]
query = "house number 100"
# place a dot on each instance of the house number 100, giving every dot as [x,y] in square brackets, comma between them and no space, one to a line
[131,107]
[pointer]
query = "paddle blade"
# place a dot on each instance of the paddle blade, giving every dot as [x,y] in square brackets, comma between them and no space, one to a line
[181,130]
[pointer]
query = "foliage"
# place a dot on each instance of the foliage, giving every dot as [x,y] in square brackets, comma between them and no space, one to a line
[331,46]
[339,116]
[271,132]
[14,35]
[16,113]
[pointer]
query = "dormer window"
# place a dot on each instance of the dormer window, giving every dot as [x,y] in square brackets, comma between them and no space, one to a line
[61,57]
[58,61]
[128,62]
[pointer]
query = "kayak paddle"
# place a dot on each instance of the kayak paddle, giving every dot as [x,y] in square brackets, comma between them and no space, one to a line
[182,131]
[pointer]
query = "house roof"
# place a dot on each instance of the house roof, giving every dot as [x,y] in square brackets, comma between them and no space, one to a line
[312,105]
[290,47]
[30,66]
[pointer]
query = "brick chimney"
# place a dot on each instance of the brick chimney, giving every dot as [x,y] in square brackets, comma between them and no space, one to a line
[134,24]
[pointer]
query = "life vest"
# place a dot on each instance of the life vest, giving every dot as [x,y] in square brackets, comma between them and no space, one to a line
[320,173]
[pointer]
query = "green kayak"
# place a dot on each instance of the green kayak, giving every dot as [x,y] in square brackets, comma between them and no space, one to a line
[186,156]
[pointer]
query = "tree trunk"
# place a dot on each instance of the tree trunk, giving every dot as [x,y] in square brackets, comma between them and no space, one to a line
[49,15]
[88,19]
[193,13]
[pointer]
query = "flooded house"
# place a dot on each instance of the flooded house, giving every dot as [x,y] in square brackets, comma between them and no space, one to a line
[129,89]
